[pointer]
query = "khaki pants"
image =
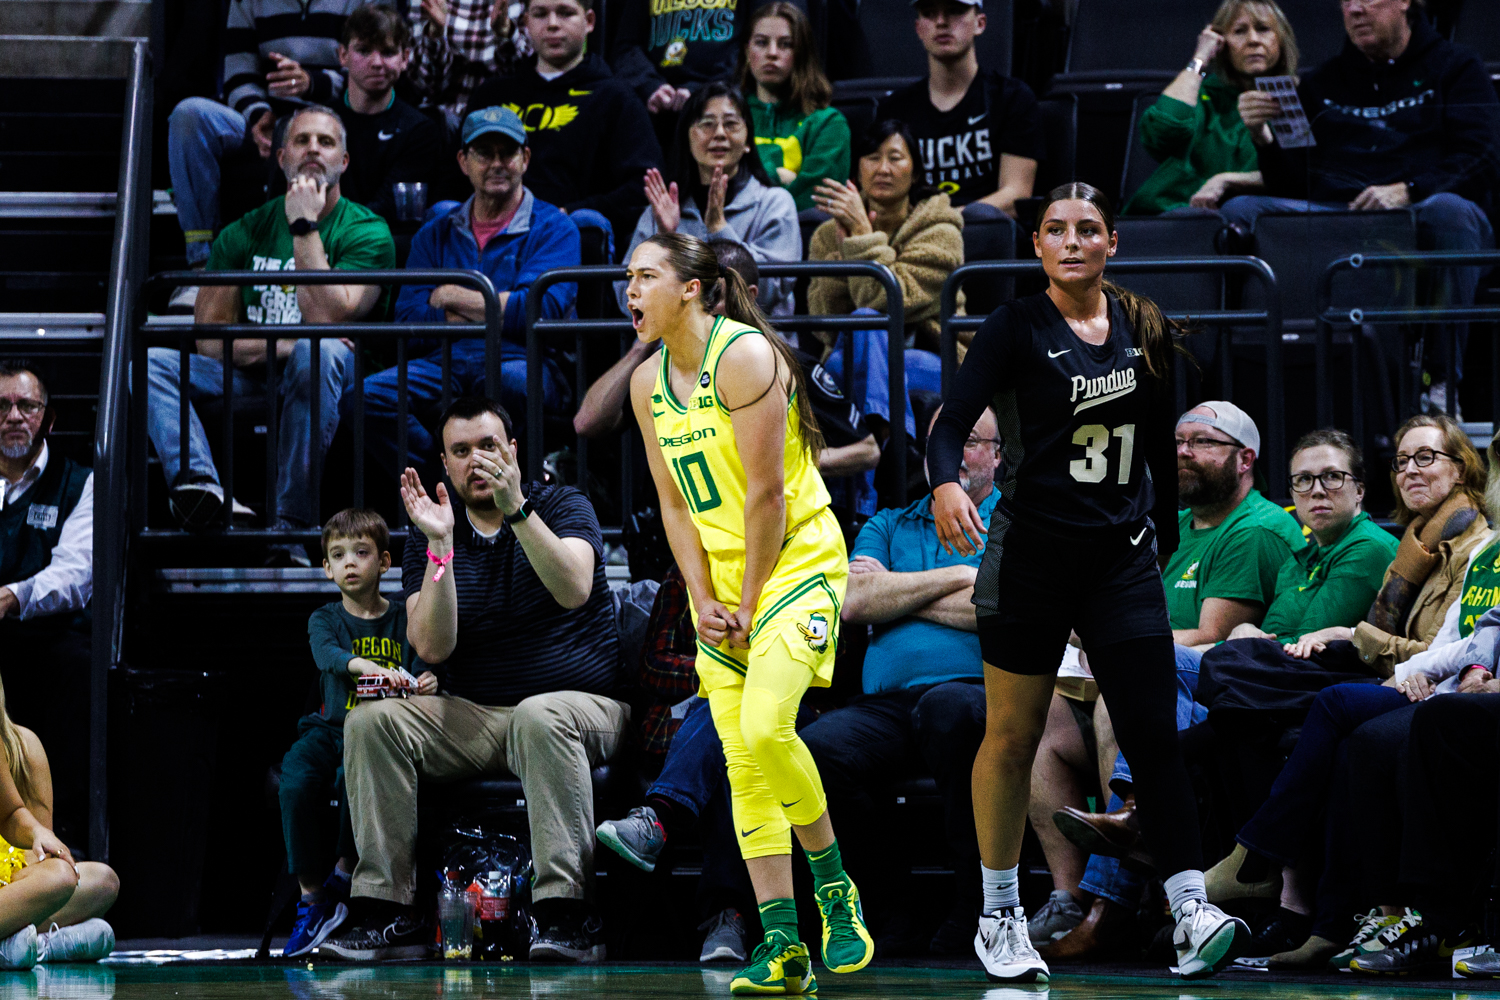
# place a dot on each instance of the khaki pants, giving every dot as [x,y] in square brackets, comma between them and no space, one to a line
[550,741]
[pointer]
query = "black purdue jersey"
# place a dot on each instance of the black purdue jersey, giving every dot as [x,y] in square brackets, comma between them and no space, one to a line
[1087,430]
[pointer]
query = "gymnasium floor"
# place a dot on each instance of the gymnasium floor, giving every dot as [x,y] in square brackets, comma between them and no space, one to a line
[242,980]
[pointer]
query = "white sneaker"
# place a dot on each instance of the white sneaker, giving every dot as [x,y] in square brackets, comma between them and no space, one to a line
[1005,949]
[1203,938]
[184,299]
[88,941]
[19,951]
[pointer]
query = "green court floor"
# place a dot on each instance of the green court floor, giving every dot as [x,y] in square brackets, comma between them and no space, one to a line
[253,981]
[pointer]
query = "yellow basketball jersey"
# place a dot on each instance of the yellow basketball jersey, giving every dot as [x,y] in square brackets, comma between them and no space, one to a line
[697,440]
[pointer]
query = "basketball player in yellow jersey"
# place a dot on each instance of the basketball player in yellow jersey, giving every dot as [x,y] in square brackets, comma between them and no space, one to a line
[732,444]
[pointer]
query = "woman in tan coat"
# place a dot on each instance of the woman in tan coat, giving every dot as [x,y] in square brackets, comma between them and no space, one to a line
[912,230]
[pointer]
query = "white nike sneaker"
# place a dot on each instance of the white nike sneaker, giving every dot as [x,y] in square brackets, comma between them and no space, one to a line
[19,951]
[1005,949]
[88,941]
[1203,937]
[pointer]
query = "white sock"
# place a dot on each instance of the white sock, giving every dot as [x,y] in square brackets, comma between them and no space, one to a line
[1182,887]
[1002,887]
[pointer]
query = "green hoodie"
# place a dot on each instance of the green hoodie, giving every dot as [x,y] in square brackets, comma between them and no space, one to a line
[812,146]
[1192,144]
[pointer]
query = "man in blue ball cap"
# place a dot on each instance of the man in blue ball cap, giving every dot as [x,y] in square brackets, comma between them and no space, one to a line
[512,236]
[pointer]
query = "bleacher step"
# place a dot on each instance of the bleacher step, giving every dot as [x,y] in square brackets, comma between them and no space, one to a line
[36,327]
[71,56]
[80,18]
[290,580]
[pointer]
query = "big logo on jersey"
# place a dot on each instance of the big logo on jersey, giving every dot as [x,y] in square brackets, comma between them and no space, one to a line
[1120,382]
[539,116]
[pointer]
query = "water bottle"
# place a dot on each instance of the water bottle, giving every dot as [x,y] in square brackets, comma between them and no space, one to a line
[494,913]
[456,919]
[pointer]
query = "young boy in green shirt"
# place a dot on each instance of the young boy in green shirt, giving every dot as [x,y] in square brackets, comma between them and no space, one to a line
[361,633]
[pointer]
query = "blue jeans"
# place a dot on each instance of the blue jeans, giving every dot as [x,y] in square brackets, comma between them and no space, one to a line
[424,382]
[1290,819]
[871,389]
[293,427]
[200,133]
[1444,222]
[1105,876]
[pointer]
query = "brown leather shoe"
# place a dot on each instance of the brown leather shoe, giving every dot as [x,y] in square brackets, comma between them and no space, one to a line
[1089,939]
[1114,835]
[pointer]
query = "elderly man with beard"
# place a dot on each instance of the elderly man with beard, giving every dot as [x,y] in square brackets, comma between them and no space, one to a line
[310,228]
[46,579]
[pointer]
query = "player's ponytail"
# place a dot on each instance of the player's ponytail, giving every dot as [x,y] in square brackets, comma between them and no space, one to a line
[15,754]
[690,258]
[1158,335]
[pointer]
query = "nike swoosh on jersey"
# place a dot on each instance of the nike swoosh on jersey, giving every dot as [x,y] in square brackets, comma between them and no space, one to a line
[1137,539]
[657,413]
[788,805]
[746,833]
[578,93]
[383,137]
[1104,399]
[1058,354]
[976,119]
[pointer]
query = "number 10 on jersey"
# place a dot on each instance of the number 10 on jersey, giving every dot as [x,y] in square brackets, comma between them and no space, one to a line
[1094,465]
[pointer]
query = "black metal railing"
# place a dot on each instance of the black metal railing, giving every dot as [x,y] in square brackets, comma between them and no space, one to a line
[1270,317]
[183,338]
[540,332]
[1329,316]
[127,271]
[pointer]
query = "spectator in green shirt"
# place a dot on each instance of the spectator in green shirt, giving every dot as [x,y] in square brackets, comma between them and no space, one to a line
[1234,540]
[1332,581]
[1194,129]
[801,140]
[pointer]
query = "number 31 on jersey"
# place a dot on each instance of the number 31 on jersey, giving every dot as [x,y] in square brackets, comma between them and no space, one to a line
[1094,465]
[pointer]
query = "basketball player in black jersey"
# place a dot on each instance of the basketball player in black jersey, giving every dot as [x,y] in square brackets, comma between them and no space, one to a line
[1080,379]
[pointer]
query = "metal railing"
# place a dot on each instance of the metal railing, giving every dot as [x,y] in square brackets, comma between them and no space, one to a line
[184,336]
[538,331]
[1270,316]
[127,270]
[1329,315]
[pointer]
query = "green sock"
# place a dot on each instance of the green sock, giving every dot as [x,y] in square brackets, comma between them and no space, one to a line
[826,865]
[780,915]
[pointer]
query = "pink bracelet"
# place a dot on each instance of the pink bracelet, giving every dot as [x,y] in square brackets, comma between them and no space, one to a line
[442,563]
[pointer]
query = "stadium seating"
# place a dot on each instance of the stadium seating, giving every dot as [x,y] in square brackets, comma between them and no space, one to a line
[893,48]
[1139,163]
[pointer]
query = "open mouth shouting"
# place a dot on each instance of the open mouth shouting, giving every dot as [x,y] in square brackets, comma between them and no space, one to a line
[636,318]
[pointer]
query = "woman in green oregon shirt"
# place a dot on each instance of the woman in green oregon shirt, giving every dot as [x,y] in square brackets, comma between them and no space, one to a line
[801,140]
[1332,581]
[1194,129]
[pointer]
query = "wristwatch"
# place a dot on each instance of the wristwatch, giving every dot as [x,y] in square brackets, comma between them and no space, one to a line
[521,514]
[304,226]
[1198,66]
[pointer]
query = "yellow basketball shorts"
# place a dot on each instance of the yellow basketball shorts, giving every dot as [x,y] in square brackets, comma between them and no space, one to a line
[754,693]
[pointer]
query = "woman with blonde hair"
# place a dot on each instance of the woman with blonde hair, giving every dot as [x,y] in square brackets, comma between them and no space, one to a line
[1194,129]
[49,904]
[801,140]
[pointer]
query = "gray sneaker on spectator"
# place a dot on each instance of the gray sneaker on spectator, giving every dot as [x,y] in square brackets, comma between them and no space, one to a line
[19,951]
[88,941]
[638,838]
[1058,915]
[726,937]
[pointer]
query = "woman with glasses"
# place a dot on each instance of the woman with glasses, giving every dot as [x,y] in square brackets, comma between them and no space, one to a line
[717,188]
[1435,470]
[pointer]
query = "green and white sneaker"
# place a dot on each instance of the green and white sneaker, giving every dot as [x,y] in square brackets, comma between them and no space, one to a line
[1371,936]
[778,967]
[847,946]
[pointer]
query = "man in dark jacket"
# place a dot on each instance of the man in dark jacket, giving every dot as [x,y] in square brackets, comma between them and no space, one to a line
[666,49]
[590,137]
[1401,118]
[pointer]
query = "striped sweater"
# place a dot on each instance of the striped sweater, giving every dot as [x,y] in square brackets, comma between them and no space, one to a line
[304,30]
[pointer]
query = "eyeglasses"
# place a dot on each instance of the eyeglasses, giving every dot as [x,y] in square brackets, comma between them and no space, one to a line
[492,154]
[1422,458]
[708,126]
[1332,480]
[1203,443]
[975,442]
[28,407]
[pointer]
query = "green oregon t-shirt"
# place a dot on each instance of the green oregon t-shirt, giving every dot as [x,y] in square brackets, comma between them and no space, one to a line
[1481,588]
[1238,560]
[1319,587]
[354,238]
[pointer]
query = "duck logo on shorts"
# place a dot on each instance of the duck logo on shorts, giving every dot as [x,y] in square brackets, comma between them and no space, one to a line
[815,632]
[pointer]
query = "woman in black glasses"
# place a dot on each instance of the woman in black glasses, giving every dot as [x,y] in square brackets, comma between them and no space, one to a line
[1436,473]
